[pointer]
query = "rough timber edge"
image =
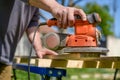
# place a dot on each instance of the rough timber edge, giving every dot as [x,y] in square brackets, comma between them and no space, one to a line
[90,62]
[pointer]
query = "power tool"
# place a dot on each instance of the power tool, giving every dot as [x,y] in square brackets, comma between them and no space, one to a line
[84,40]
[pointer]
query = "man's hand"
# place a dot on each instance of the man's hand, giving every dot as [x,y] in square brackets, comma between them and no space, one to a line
[65,15]
[44,51]
[40,51]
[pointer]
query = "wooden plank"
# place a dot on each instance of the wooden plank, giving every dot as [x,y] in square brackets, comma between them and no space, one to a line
[105,64]
[24,60]
[102,62]
[73,56]
[73,60]
[116,64]
[79,64]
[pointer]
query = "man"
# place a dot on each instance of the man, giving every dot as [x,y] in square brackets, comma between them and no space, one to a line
[17,16]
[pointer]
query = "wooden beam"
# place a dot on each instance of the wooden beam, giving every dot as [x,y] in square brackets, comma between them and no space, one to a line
[72,62]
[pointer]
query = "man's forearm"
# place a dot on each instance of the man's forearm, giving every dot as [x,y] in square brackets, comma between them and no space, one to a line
[64,15]
[37,41]
[47,5]
[40,51]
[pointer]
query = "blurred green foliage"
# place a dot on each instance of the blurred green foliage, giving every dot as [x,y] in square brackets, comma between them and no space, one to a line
[107,19]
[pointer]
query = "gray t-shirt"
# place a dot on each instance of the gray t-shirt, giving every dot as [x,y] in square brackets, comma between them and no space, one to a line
[15,17]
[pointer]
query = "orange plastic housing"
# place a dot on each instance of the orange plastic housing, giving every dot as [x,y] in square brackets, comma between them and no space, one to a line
[80,40]
[52,23]
[85,35]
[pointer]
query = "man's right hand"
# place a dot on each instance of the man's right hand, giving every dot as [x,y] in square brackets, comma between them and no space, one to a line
[65,15]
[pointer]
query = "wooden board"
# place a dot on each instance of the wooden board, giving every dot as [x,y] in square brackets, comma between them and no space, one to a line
[73,61]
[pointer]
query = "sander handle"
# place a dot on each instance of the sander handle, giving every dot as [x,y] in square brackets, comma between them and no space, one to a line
[52,22]
[93,18]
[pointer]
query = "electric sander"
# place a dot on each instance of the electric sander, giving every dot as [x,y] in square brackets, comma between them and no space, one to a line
[85,39]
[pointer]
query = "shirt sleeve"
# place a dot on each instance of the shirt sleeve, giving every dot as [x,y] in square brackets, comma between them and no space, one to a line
[35,19]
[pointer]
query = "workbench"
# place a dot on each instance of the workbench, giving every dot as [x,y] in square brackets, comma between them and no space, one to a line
[73,61]
[59,63]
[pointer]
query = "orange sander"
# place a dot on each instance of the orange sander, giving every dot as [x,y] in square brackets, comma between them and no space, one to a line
[84,40]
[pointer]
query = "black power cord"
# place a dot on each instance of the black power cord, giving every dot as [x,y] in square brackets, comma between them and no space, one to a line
[115,74]
[29,57]
[14,74]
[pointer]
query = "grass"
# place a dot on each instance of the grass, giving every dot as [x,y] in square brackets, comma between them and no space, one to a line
[91,72]
[22,75]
